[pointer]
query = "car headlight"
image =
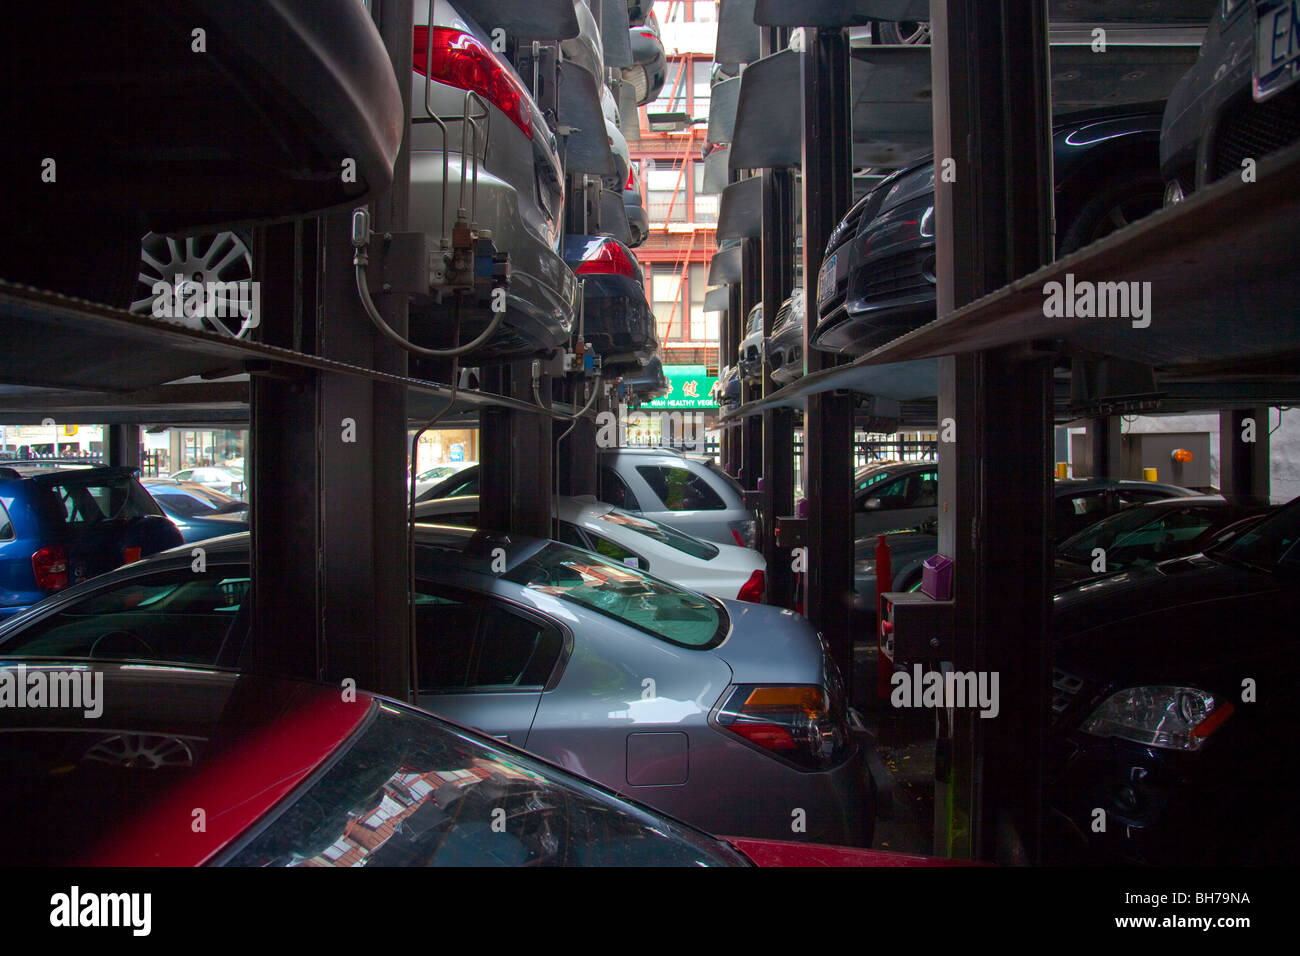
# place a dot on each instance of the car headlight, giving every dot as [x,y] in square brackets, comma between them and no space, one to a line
[1173,718]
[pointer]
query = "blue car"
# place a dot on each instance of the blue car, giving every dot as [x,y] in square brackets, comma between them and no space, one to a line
[198,511]
[60,525]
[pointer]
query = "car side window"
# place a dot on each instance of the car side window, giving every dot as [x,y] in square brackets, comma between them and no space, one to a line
[514,650]
[173,617]
[614,489]
[1076,512]
[6,525]
[680,489]
[1127,497]
[445,628]
[616,551]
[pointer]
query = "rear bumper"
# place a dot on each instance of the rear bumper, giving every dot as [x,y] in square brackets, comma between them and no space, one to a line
[617,319]
[541,299]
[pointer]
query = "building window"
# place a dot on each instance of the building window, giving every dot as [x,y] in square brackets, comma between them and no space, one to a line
[706,206]
[666,196]
[669,303]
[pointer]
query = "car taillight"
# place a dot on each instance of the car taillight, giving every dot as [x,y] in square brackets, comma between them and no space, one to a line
[739,540]
[459,59]
[50,566]
[802,724]
[630,183]
[752,590]
[609,259]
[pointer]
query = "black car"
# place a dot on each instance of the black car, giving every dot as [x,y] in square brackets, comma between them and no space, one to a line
[1173,702]
[1232,105]
[877,279]
[617,320]
[1147,534]
[645,384]
[905,512]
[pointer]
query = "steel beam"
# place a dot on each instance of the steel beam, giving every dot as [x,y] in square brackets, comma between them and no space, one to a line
[828,422]
[992,118]
[124,445]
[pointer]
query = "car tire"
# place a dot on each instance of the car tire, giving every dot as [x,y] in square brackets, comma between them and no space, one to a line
[902,33]
[1114,205]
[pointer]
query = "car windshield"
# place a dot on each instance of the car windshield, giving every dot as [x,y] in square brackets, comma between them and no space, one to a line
[1139,536]
[1271,544]
[411,791]
[625,594]
[661,533]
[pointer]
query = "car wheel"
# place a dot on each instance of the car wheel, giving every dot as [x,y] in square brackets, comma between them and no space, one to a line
[1112,207]
[904,32]
[222,257]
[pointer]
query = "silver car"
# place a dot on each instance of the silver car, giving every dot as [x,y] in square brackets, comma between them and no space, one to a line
[514,187]
[727,715]
[751,346]
[690,494]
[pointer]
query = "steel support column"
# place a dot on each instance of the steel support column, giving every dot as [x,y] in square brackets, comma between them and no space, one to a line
[124,445]
[992,118]
[1244,454]
[751,293]
[828,422]
[330,596]
[1104,443]
[515,477]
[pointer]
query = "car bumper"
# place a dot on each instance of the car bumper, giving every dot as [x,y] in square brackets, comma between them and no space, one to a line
[616,318]
[541,298]
[785,354]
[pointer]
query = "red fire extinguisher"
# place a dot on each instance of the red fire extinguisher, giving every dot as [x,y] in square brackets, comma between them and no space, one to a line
[884,658]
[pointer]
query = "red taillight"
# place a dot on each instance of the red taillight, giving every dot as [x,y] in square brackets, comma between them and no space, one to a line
[131,555]
[630,183]
[739,540]
[804,724]
[609,258]
[459,59]
[752,590]
[50,566]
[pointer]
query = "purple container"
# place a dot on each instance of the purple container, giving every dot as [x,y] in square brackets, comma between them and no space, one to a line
[936,578]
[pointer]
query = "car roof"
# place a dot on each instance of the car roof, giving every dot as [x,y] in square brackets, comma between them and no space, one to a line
[63,472]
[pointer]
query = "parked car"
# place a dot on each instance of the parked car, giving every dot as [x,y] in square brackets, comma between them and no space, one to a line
[649,70]
[722,570]
[438,473]
[638,222]
[228,481]
[1173,699]
[251,128]
[750,352]
[784,348]
[1238,101]
[691,495]
[617,180]
[724,714]
[198,511]
[519,193]
[1144,535]
[1081,504]
[61,526]
[644,384]
[375,783]
[877,279]
[616,316]
[727,393]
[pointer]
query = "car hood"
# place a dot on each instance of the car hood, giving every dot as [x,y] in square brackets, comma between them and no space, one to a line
[770,644]
[1180,586]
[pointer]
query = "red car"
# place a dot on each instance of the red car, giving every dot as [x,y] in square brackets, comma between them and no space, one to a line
[141,765]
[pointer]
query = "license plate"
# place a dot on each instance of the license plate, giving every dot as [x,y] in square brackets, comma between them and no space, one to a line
[826,280]
[1277,46]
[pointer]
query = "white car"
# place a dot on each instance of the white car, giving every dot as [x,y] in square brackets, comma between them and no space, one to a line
[722,570]
[432,476]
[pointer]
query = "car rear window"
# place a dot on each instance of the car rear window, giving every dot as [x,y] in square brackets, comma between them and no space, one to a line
[411,791]
[625,594]
[680,489]
[79,502]
[661,533]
